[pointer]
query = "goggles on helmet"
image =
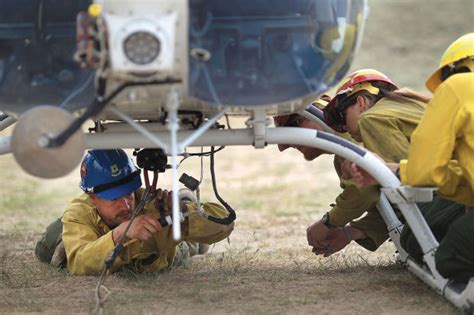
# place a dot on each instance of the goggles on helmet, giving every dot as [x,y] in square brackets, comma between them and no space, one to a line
[103,187]
[335,112]
[335,118]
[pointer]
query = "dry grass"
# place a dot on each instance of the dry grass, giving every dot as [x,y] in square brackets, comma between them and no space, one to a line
[266,268]
[234,281]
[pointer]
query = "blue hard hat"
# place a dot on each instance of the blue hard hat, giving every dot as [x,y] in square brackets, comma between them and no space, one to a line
[109,174]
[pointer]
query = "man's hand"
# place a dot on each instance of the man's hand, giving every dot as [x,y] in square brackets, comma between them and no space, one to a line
[360,177]
[163,201]
[338,238]
[317,234]
[346,169]
[142,228]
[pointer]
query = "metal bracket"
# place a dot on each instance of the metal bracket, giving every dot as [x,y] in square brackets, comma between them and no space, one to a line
[407,194]
[259,123]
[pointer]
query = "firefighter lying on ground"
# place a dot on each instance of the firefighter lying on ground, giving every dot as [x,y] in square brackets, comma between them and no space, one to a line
[96,220]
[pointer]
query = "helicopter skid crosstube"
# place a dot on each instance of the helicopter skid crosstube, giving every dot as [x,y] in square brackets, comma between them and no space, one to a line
[284,135]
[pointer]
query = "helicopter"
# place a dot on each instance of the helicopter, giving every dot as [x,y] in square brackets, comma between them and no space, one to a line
[160,74]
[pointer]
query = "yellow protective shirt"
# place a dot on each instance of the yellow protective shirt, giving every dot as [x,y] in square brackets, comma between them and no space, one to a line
[442,149]
[386,128]
[88,240]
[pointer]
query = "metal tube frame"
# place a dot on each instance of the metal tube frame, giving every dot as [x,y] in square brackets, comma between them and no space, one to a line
[316,120]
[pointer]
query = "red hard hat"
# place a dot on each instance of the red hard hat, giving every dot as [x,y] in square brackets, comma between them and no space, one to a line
[357,81]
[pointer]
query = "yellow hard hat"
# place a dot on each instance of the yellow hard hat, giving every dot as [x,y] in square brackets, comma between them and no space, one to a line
[460,49]
[322,101]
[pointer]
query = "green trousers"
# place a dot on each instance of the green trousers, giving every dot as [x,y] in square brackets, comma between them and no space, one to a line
[455,255]
[46,246]
[454,230]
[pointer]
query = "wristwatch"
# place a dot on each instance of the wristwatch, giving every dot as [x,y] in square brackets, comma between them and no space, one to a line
[325,220]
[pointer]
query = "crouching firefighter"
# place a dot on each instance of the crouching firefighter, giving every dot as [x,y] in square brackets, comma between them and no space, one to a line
[117,222]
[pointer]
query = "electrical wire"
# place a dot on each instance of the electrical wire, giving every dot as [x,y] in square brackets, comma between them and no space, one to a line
[231,217]
[208,153]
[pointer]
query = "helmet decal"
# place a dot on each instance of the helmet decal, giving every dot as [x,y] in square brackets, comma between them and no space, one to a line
[115,170]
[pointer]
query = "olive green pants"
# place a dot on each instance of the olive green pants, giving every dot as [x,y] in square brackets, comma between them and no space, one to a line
[46,246]
[455,255]
[454,230]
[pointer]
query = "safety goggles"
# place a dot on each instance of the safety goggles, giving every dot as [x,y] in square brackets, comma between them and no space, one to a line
[335,113]
[103,187]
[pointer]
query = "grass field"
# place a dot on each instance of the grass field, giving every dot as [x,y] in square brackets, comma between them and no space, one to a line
[265,267]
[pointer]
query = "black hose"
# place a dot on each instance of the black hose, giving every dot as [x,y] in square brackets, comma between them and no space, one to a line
[231,217]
